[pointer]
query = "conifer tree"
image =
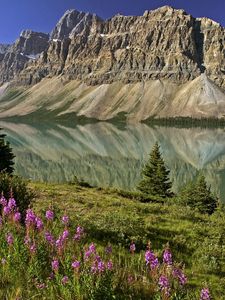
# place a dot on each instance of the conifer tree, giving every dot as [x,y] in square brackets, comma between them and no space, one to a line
[155,175]
[198,195]
[6,156]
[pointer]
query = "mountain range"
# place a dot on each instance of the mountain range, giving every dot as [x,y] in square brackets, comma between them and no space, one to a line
[164,63]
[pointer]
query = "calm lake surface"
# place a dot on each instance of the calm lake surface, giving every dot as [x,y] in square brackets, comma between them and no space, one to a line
[106,155]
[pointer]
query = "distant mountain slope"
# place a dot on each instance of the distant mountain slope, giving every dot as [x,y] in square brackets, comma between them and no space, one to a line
[54,98]
[164,63]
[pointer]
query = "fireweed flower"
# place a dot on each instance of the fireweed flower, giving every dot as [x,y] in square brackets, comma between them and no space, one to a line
[94,267]
[177,273]
[30,219]
[110,265]
[65,234]
[33,249]
[49,215]
[87,254]
[9,239]
[6,210]
[65,220]
[205,295]
[65,280]
[12,203]
[17,217]
[49,237]
[151,259]
[132,247]
[92,248]
[76,265]
[39,224]
[164,285]
[79,233]
[55,265]
[167,257]
[3,201]
[101,266]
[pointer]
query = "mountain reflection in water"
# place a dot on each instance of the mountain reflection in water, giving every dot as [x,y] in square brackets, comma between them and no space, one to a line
[106,155]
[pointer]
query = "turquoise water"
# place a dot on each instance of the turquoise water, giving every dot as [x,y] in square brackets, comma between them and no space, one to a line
[106,155]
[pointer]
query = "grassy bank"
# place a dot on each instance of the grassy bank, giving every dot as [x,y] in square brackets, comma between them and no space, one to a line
[195,239]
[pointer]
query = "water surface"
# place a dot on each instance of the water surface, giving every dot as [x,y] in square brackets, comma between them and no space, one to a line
[106,155]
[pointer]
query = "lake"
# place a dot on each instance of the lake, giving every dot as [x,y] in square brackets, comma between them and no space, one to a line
[104,154]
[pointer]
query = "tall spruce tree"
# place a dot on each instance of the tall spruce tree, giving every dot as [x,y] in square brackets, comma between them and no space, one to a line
[6,156]
[198,195]
[155,175]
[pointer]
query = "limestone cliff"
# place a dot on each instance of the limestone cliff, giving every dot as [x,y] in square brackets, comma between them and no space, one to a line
[163,63]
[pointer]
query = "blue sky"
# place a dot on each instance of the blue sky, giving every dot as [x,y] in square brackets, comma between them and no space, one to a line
[42,15]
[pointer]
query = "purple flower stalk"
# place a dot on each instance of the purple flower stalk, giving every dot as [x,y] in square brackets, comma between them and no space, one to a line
[49,215]
[6,210]
[151,259]
[9,239]
[101,266]
[205,295]
[39,224]
[55,265]
[49,237]
[12,203]
[110,265]
[76,264]
[79,233]
[164,285]
[177,273]
[65,220]
[30,219]
[3,201]
[65,234]
[87,254]
[92,248]
[33,249]
[132,247]
[65,280]
[167,257]
[17,217]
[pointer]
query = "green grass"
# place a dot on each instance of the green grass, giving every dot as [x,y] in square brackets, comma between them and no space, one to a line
[195,239]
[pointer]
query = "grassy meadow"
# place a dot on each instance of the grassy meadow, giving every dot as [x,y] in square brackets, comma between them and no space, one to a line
[195,240]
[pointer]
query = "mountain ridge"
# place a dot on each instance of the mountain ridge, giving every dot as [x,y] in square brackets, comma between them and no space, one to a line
[165,45]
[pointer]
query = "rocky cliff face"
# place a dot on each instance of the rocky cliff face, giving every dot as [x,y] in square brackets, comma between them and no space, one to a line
[164,43]
[163,48]
[26,48]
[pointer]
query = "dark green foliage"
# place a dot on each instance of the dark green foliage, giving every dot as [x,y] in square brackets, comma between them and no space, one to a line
[187,122]
[19,188]
[198,195]
[6,156]
[155,176]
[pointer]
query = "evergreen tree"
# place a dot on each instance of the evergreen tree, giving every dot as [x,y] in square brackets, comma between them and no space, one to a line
[6,156]
[198,195]
[155,175]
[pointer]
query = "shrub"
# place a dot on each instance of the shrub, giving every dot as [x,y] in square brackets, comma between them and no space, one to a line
[18,187]
[6,156]
[198,195]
